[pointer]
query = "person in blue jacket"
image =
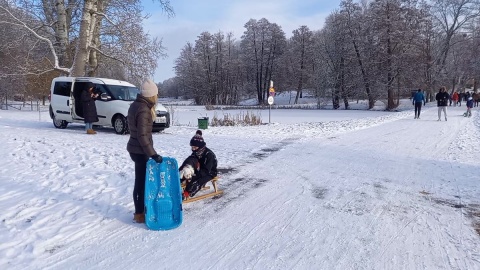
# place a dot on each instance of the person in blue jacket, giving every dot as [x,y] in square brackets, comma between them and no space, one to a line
[418,99]
[468,113]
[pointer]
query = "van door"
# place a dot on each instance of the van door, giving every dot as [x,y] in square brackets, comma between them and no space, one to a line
[61,100]
[103,107]
[77,107]
[78,88]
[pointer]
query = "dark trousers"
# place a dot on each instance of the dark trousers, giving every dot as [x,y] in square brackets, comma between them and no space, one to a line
[418,108]
[139,188]
[194,185]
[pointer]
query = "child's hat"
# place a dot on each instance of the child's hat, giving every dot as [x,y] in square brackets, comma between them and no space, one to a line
[197,140]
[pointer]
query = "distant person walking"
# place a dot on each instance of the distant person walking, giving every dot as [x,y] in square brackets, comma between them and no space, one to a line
[468,113]
[461,96]
[455,98]
[476,99]
[467,95]
[442,103]
[418,99]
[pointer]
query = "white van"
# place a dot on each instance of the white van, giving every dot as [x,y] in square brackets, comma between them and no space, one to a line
[112,106]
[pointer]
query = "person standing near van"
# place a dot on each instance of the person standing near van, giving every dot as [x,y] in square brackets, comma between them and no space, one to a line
[141,115]
[442,102]
[89,109]
[418,99]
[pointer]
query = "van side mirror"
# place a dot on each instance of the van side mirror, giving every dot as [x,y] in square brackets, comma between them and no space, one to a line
[105,97]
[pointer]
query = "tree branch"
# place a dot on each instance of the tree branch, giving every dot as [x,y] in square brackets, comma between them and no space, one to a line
[50,45]
[106,55]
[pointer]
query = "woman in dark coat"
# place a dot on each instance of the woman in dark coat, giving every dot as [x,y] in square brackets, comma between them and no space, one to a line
[89,109]
[141,115]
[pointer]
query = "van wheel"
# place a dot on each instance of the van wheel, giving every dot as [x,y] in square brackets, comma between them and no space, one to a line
[62,124]
[120,124]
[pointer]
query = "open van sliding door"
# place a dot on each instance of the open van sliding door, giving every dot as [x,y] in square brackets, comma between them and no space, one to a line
[77,108]
[79,86]
[62,100]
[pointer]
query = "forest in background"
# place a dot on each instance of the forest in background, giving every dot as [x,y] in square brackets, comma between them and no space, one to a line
[371,50]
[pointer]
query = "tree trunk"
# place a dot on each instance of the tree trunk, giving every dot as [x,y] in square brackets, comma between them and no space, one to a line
[93,57]
[366,84]
[343,92]
[300,79]
[61,29]
[84,40]
[390,102]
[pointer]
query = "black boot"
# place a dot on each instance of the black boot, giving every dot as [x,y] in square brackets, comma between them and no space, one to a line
[192,188]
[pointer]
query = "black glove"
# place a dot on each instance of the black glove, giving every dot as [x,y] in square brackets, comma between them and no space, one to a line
[157,158]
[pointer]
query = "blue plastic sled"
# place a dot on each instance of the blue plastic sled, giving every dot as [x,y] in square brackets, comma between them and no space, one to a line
[163,197]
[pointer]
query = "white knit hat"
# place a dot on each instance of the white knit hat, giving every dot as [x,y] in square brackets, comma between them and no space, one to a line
[149,89]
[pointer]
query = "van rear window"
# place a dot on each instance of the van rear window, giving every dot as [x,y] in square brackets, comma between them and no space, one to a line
[62,88]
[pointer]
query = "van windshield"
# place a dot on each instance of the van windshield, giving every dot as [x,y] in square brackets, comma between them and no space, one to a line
[120,92]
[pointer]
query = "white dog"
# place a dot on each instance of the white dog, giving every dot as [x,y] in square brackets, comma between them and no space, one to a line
[187,172]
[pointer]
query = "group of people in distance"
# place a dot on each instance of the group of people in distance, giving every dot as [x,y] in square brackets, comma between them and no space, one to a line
[141,115]
[443,99]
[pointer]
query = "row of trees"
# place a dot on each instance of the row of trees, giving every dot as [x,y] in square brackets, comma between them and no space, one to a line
[374,50]
[42,39]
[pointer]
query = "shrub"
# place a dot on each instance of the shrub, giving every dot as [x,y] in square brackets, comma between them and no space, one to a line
[241,119]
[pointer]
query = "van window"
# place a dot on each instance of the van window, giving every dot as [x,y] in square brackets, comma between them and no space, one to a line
[62,88]
[123,92]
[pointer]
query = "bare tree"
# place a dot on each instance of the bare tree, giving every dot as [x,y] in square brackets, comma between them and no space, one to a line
[300,46]
[187,69]
[451,16]
[378,50]
[24,58]
[355,27]
[262,44]
[97,29]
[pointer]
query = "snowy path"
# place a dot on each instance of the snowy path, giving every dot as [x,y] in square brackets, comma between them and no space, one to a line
[385,193]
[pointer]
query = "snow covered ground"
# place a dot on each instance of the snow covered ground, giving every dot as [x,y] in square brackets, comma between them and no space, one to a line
[316,189]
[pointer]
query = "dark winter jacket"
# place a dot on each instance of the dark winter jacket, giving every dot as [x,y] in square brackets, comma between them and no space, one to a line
[442,99]
[470,103]
[140,123]
[89,108]
[208,164]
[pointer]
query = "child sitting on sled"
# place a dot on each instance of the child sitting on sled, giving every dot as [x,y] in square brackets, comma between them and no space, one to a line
[468,113]
[199,168]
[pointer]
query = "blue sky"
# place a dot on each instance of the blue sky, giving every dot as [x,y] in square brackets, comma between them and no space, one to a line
[195,16]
